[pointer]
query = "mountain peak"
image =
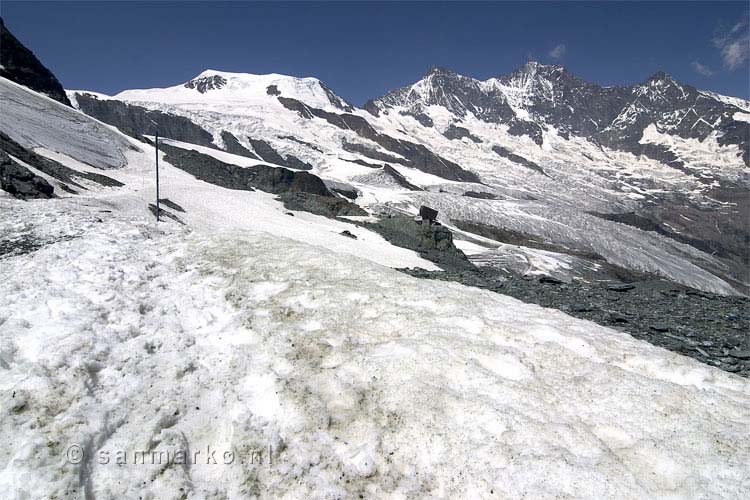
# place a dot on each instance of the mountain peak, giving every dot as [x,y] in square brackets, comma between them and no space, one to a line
[440,71]
[659,75]
[537,67]
[662,77]
[207,80]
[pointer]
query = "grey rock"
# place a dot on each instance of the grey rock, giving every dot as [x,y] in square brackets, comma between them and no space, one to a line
[550,280]
[454,132]
[232,145]
[137,120]
[414,155]
[480,195]
[620,288]
[740,354]
[20,65]
[206,83]
[297,190]
[66,175]
[433,242]
[20,181]
[505,153]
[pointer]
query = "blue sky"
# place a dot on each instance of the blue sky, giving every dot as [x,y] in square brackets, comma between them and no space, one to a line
[362,50]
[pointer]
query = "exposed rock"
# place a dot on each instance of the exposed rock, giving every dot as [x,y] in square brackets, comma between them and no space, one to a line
[480,195]
[400,179]
[550,280]
[264,177]
[66,175]
[415,155]
[421,117]
[298,190]
[266,151]
[347,193]
[327,206]
[433,242]
[292,161]
[660,327]
[20,181]
[269,154]
[205,83]
[232,145]
[20,65]
[665,314]
[521,127]
[620,288]
[136,120]
[354,147]
[164,213]
[454,132]
[505,153]
[300,141]
[169,203]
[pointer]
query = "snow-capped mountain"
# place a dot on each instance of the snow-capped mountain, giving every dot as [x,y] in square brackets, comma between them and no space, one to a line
[258,342]
[239,89]
[559,155]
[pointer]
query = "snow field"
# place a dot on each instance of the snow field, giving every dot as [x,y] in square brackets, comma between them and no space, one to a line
[361,380]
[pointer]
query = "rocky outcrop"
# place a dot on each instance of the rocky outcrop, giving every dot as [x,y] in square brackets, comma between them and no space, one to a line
[205,83]
[709,328]
[136,120]
[433,242]
[20,65]
[66,175]
[20,181]
[414,155]
[506,153]
[327,206]
[269,154]
[454,132]
[298,190]
[232,145]
[398,178]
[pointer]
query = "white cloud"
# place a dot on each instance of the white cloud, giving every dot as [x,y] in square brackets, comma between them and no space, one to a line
[558,51]
[734,43]
[702,69]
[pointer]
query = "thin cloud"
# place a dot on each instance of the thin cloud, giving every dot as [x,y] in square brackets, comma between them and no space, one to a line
[702,69]
[558,51]
[734,44]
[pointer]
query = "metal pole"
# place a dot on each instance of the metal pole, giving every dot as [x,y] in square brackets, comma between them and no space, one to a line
[157,176]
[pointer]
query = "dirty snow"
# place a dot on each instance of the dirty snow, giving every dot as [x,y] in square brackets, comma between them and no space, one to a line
[335,377]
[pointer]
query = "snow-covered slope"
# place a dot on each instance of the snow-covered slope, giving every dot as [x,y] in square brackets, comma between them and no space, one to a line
[70,137]
[123,340]
[247,353]
[541,140]
[232,89]
[35,120]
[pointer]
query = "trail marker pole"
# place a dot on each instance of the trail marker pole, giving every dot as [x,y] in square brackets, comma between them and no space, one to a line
[157,176]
